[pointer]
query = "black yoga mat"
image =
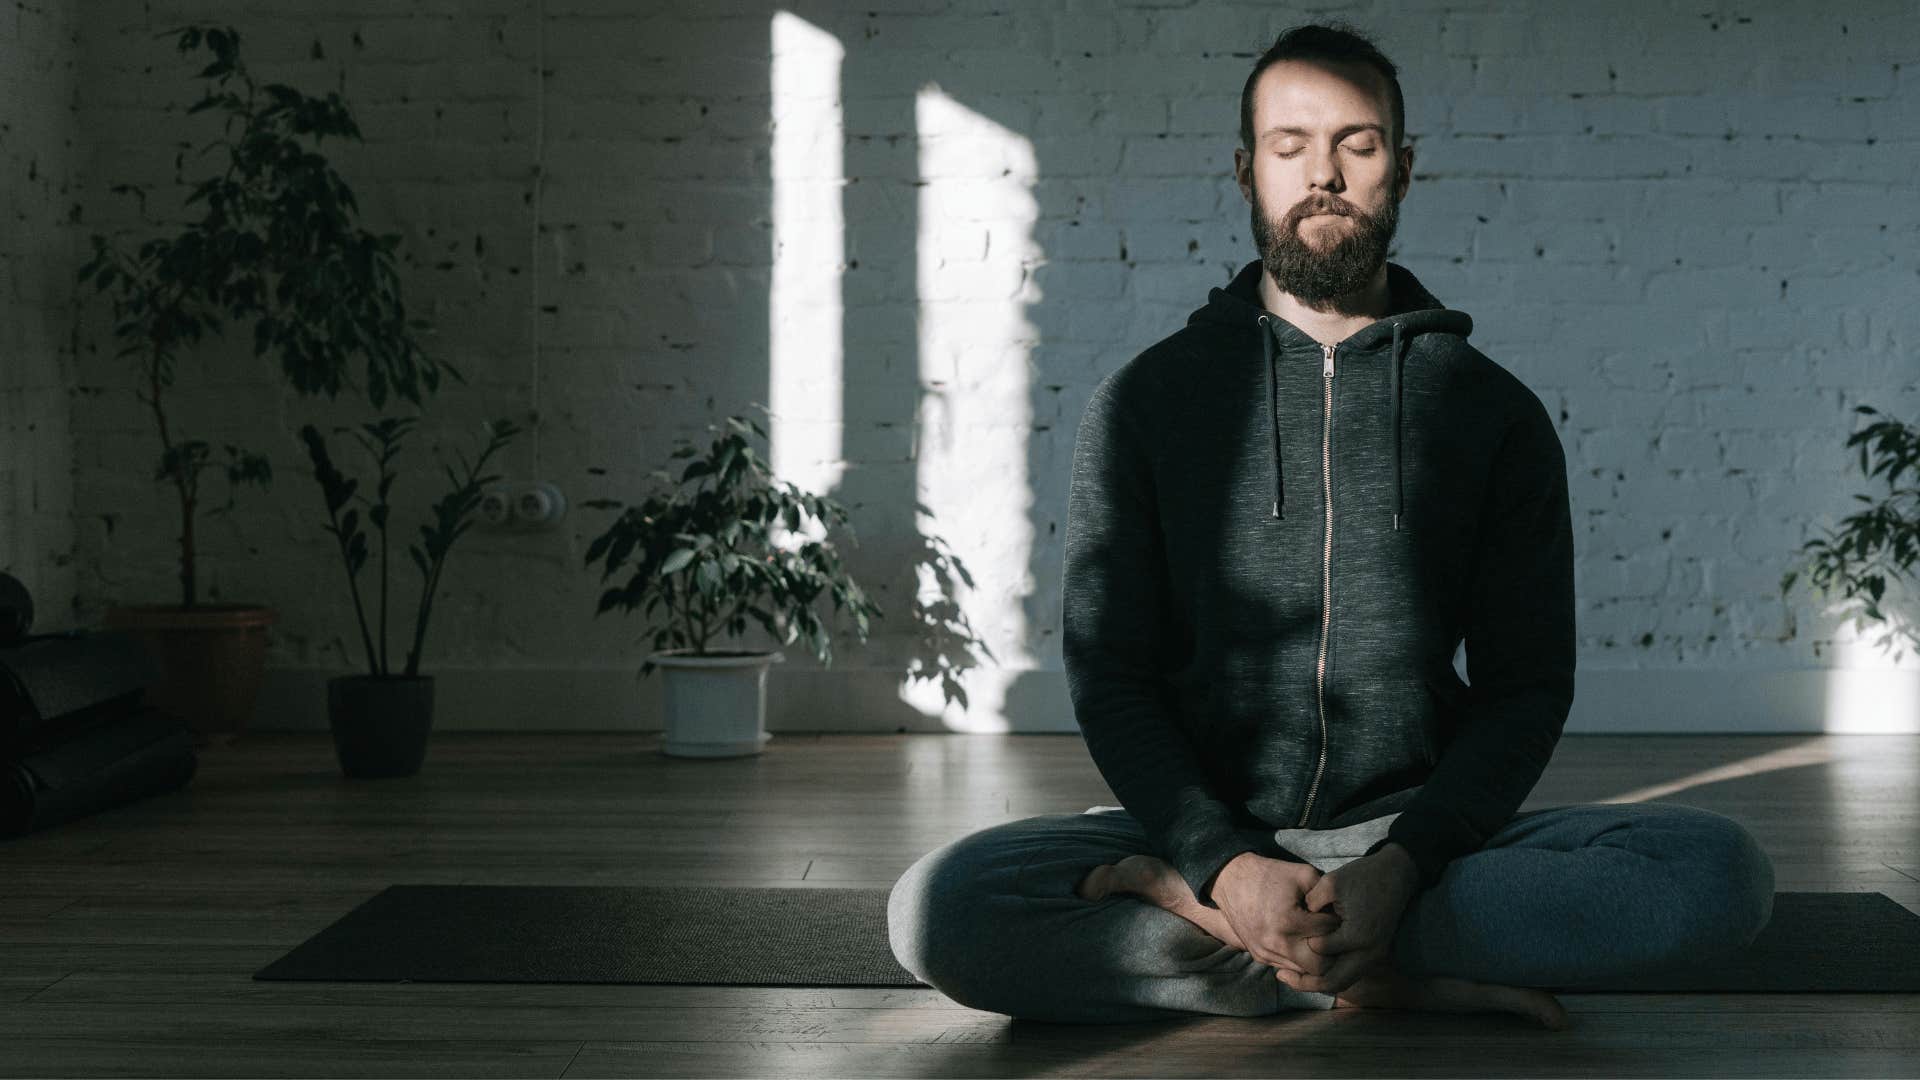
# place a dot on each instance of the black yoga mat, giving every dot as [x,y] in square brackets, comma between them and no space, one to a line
[1816,942]
[838,937]
[605,934]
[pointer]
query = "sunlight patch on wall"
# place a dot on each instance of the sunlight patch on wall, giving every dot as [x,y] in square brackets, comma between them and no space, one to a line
[1868,690]
[975,279]
[804,302]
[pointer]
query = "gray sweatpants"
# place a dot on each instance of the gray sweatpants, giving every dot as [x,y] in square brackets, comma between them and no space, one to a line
[1557,896]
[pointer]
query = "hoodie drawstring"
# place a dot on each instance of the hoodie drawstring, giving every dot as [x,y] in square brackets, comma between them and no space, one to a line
[1273,411]
[1394,390]
[1400,345]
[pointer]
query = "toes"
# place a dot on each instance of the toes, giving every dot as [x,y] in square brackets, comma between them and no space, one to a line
[1138,870]
[1152,878]
[1096,885]
[1553,1014]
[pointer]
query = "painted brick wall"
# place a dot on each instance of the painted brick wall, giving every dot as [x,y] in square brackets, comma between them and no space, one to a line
[38,58]
[1690,230]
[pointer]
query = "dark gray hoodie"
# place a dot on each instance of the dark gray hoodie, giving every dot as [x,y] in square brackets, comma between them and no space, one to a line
[1274,549]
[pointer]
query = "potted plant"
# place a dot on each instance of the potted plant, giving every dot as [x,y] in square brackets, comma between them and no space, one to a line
[704,549]
[275,242]
[380,720]
[1879,542]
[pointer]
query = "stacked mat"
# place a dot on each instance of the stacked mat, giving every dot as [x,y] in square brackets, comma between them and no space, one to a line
[76,735]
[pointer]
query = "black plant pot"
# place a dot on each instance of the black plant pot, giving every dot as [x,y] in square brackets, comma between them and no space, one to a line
[380,723]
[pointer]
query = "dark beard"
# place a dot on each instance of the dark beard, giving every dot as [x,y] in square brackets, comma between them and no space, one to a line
[1317,277]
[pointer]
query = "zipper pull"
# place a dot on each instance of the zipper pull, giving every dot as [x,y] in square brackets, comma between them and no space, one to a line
[1327,371]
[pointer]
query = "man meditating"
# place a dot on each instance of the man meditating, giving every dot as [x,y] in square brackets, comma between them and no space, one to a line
[1284,520]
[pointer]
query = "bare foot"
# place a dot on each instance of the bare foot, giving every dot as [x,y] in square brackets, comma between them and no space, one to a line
[1387,988]
[1158,883]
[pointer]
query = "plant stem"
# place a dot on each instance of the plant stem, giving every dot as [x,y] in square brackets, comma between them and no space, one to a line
[353,589]
[699,626]
[428,586]
[738,607]
[674,611]
[181,477]
[453,512]
[384,669]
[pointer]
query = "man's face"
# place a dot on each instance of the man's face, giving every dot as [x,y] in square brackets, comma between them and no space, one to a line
[1322,178]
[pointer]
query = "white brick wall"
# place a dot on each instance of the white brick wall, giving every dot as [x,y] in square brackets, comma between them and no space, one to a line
[38,58]
[1691,232]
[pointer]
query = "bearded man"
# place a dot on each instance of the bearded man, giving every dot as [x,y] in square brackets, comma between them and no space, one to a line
[1317,811]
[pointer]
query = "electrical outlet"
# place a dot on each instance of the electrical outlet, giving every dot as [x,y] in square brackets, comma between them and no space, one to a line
[521,506]
[538,504]
[496,507]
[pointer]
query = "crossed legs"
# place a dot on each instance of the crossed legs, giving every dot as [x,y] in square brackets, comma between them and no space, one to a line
[997,919]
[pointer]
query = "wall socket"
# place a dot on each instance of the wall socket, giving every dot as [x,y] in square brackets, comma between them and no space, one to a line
[521,506]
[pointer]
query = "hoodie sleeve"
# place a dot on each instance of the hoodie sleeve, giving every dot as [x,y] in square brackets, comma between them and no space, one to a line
[1520,655]
[1117,626]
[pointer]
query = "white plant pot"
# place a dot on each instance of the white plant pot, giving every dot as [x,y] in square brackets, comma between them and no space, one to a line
[716,704]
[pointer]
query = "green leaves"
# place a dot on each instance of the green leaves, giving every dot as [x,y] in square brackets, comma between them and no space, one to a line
[1880,541]
[706,553]
[450,517]
[707,578]
[243,467]
[279,241]
[276,244]
[704,549]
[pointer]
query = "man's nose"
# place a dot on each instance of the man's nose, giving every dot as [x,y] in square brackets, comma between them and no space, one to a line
[1323,172]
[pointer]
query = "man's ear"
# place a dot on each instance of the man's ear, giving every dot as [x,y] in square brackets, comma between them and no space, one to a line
[1405,179]
[1243,173]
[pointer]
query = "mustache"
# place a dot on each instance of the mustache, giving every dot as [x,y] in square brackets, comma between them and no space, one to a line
[1308,208]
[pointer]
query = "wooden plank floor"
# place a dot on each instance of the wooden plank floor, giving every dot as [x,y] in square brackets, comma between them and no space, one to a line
[128,939]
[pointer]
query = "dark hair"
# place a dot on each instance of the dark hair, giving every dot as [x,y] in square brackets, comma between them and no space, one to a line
[1339,42]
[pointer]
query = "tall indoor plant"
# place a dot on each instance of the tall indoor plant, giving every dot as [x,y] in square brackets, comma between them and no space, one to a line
[276,243]
[704,548]
[1878,543]
[380,720]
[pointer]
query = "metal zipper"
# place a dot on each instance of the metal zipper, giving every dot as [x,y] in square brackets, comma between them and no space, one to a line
[1326,573]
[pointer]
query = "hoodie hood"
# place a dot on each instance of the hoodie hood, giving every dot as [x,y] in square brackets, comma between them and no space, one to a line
[1411,312]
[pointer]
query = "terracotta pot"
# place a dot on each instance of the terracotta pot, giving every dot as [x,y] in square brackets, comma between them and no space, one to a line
[380,723]
[211,656]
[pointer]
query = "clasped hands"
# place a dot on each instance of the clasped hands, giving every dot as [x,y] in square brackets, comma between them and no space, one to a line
[1322,932]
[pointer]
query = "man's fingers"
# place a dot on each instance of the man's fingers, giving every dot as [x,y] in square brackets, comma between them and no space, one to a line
[1321,940]
[1278,961]
[1295,958]
[1343,972]
[1338,943]
[1314,923]
[1366,930]
[1283,966]
[1306,958]
[1350,966]
[1289,966]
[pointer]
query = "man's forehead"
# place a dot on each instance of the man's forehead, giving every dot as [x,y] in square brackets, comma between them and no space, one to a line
[1285,77]
[1341,132]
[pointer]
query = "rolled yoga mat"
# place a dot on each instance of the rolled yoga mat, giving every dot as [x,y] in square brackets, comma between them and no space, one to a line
[115,762]
[1817,941]
[57,685]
